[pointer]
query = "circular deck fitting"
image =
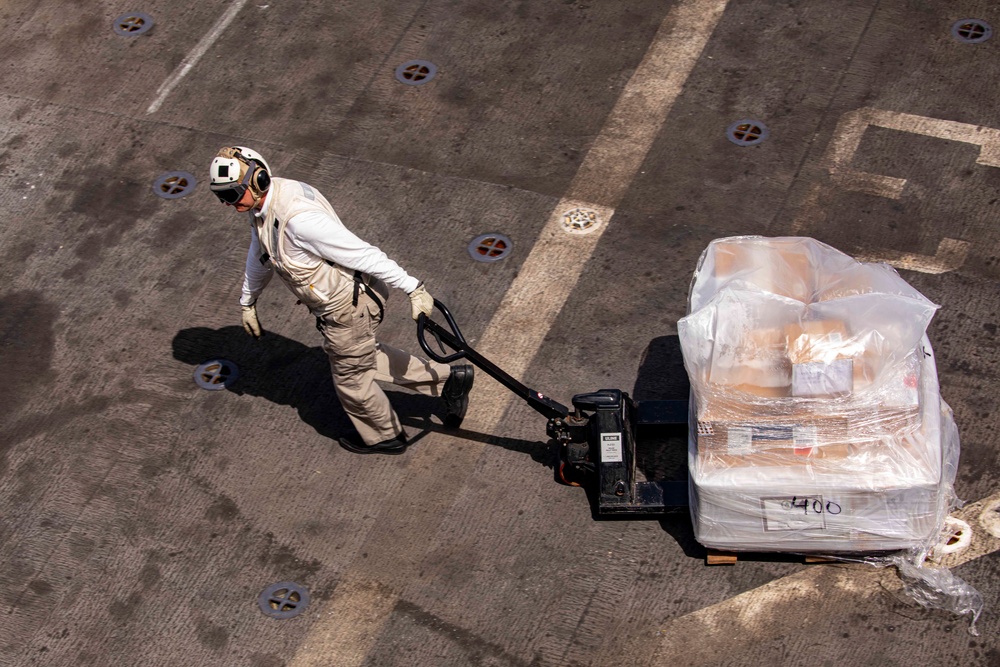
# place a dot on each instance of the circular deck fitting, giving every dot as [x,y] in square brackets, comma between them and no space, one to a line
[747,132]
[284,599]
[971,31]
[133,24]
[490,247]
[174,184]
[581,221]
[956,535]
[216,375]
[416,72]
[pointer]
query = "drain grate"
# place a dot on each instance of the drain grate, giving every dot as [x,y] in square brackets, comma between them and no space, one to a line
[747,132]
[216,375]
[971,31]
[416,72]
[580,221]
[133,25]
[174,184]
[490,247]
[284,599]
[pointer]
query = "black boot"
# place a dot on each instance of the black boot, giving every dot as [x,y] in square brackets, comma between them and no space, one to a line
[395,445]
[456,394]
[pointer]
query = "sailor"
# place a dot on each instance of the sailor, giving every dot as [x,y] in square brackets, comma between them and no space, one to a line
[344,281]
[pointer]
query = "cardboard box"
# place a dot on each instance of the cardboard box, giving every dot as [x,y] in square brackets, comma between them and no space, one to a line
[758,366]
[818,341]
[780,268]
[786,508]
[787,440]
[793,437]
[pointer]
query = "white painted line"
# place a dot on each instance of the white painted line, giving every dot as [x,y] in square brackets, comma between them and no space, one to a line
[552,269]
[950,256]
[638,116]
[851,129]
[951,253]
[192,58]
[785,606]
[349,626]
[981,517]
[989,518]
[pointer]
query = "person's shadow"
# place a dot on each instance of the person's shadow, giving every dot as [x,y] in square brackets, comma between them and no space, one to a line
[279,369]
[288,372]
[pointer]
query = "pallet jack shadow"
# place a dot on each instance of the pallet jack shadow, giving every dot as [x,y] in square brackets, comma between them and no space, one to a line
[287,372]
[663,452]
[629,455]
[654,462]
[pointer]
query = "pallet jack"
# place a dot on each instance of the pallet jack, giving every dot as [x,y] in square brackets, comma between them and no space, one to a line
[597,441]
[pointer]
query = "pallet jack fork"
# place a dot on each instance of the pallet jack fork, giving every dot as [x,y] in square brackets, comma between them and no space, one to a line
[597,440]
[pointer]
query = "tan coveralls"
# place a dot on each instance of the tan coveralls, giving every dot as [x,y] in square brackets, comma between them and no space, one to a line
[347,316]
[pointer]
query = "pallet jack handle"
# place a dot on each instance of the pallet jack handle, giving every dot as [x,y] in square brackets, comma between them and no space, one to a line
[453,338]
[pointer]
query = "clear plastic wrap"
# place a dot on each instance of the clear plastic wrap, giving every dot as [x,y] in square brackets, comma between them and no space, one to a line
[816,418]
[817,424]
[937,588]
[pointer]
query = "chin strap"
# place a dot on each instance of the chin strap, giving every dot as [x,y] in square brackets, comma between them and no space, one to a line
[257,198]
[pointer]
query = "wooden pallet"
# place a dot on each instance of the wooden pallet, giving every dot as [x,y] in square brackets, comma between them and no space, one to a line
[717,557]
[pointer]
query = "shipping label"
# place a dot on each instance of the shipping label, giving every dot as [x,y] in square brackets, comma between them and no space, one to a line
[611,448]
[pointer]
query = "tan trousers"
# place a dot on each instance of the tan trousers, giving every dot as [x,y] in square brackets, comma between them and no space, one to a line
[357,361]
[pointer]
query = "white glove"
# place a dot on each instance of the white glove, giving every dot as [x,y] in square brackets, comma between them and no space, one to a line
[250,322]
[421,301]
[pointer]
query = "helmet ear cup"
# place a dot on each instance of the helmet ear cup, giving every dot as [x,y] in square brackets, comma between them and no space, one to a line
[260,180]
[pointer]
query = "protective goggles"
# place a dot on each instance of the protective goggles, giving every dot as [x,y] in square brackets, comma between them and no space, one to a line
[232,195]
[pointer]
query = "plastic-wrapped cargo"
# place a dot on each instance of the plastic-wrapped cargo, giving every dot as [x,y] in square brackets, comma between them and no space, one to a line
[817,425]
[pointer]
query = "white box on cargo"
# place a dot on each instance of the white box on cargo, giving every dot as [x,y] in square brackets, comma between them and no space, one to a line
[884,506]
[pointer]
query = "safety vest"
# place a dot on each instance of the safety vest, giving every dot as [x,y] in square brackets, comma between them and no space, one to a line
[324,287]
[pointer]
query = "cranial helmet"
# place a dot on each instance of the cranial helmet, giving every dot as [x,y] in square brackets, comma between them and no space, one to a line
[236,169]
